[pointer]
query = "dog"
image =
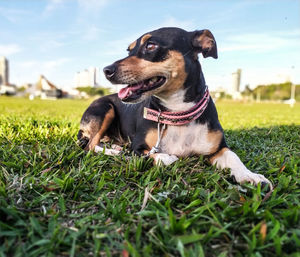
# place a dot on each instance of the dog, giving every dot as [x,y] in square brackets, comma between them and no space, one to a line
[165,110]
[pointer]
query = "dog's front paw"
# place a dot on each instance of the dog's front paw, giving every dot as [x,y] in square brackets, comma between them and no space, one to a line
[107,151]
[93,143]
[251,177]
[163,158]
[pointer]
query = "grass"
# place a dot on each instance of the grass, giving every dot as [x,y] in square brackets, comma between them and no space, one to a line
[56,200]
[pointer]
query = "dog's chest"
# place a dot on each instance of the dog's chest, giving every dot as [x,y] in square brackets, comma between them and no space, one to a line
[187,139]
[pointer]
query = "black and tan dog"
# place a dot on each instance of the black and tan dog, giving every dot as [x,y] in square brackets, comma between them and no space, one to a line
[165,85]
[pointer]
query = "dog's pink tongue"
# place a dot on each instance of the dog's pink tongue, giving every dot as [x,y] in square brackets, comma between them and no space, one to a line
[124,92]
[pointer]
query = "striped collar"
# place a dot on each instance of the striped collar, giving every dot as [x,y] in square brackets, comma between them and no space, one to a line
[178,118]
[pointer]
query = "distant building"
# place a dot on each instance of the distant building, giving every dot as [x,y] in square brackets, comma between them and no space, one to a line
[236,80]
[88,77]
[44,89]
[219,92]
[5,87]
[236,83]
[4,71]
[8,89]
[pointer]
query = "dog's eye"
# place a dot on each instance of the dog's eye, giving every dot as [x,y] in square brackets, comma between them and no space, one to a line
[151,47]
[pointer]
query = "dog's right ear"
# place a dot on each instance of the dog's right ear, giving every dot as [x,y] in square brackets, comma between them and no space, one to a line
[204,42]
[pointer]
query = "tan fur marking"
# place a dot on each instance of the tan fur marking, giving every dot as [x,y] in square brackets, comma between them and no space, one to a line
[207,42]
[90,129]
[145,38]
[214,137]
[134,69]
[151,138]
[178,74]
[153,156]
[110,115]
[145,152]
[206,38]
[132,45]
[130,63]
[218,154]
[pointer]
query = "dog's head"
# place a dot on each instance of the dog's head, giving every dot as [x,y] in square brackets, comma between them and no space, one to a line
[157,62]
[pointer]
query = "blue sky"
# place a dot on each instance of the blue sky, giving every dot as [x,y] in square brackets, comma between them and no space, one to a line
[57,38]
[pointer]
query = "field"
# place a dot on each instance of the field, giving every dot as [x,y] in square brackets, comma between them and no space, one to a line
[57,200]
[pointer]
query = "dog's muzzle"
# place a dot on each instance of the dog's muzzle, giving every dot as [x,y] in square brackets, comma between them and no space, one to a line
[110,71]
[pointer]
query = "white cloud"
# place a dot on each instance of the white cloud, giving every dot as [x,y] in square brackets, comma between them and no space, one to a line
[43,66]
[54,64]
[91,33]
[51,6]
[292,33]
[29,71]
[91,5]
[89,10]
[87,17]
[261,42]
[13,15]
[118,47]
[49,45]
[173,22]
[9,49]
[264,76]
[28,64]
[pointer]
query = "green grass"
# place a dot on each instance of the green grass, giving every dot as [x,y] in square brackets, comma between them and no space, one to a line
[56,200]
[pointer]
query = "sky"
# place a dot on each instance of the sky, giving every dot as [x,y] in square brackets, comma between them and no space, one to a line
[58,38]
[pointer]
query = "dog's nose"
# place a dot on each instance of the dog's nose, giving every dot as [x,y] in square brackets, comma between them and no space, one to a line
[110,70]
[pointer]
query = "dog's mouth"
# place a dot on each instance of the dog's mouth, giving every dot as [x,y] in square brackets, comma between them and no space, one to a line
[134,91]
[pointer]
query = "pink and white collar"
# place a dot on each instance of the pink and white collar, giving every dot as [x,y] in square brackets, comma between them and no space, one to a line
[178,118]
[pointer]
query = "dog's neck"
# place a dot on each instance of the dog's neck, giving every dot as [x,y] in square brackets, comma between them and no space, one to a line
[194,84]
[175,102]
[185,98]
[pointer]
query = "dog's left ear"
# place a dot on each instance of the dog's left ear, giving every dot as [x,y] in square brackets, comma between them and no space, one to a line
[204,42]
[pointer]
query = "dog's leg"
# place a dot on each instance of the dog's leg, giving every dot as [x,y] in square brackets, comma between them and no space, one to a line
[107,120]
[228,159]
[163,158]
[115,150]
[150,141]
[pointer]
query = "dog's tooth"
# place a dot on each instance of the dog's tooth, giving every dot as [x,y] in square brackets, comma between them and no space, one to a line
[154,79]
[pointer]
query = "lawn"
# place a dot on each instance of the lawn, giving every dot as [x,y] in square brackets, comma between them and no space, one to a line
[57,200]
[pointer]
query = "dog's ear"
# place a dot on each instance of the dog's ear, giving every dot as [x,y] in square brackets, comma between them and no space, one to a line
[204,42]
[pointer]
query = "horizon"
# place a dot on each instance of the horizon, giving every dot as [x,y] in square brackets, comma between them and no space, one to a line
[58,38]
